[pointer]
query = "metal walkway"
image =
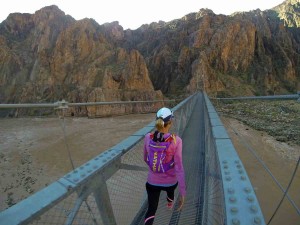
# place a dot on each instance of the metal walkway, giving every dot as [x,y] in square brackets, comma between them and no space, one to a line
[193,159]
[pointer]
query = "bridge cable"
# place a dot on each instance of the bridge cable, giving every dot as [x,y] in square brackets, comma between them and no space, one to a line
[287,189]
[265,167]
[63,124]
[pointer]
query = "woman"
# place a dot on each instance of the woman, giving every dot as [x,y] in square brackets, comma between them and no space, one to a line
[166,179]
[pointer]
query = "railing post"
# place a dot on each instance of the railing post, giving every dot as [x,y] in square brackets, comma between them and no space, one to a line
[104,205]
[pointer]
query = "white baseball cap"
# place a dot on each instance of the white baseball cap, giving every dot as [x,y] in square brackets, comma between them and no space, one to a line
[165,113]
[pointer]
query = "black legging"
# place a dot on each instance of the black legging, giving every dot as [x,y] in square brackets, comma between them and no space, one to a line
[153,199]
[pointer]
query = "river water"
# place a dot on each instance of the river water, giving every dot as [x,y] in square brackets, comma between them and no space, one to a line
[34,152]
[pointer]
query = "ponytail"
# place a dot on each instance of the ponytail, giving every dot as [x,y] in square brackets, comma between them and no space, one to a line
[159,124]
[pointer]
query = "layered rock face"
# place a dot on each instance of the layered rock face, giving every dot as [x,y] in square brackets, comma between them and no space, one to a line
[247,53]
[49,56]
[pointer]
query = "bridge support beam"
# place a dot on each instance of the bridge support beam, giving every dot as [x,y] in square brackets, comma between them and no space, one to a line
[104,205]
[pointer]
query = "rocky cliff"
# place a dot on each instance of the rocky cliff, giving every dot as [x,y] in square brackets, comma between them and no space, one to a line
[247,53]
[49,56]
[289,13]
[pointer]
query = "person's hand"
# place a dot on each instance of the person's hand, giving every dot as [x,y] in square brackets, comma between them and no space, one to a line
[181,202]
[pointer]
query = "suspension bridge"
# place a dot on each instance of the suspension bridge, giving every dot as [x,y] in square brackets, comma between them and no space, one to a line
[110,188]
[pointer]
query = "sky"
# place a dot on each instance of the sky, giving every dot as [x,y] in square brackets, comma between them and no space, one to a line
[131,14]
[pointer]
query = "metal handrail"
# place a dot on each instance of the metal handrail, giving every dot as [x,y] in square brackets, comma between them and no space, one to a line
[64,103]
[269,97]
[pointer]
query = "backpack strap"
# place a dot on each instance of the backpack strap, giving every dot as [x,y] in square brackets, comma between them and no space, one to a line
[154,137]
[172,137]
[158,137]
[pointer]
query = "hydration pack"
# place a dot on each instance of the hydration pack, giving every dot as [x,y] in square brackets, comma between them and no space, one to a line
[158,158]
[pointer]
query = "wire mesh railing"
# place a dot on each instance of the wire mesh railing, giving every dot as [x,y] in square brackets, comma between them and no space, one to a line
[214,204]
[229,197]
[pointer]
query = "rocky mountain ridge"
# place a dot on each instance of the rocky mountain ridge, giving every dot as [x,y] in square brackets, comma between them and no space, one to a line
[243,54]
[48,56]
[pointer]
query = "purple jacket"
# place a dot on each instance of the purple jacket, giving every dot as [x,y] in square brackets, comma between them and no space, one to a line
[173,175]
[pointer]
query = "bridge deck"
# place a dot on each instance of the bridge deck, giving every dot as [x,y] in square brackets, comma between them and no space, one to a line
[193,159]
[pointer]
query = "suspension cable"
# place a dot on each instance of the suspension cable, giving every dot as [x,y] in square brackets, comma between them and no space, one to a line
[65,103]
[286,191]
[63,124]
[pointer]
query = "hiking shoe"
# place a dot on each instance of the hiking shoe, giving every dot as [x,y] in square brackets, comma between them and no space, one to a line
[170,205]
